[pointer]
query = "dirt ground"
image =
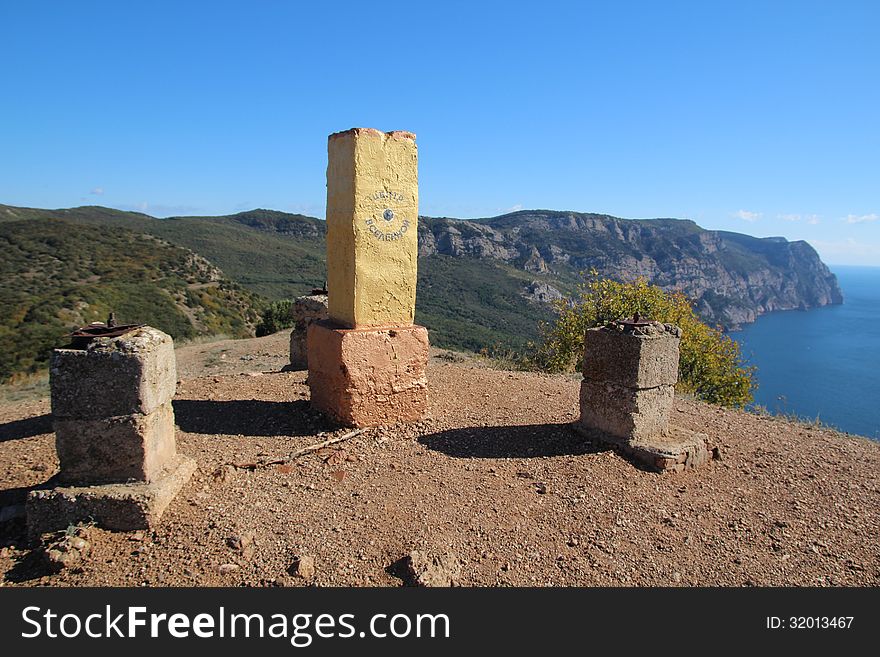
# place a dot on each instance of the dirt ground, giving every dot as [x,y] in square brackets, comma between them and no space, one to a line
[495,476]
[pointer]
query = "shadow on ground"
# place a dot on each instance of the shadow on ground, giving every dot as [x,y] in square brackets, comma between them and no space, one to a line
[248,417]
[26,428]
[399,571]
[528,441]
[13,533]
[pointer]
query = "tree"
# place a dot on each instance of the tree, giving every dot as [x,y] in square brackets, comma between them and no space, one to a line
[277,315]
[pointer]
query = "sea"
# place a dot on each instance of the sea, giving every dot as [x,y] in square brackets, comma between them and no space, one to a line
[824,363]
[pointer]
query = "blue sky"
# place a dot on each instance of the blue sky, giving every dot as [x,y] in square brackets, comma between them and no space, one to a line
[759,117]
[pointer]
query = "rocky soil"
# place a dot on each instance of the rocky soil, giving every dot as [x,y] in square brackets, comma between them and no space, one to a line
[494,489]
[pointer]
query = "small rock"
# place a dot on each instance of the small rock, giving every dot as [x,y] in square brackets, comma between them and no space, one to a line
[223,474]
[69,551]
[61,559]
[676,577]
[240,541]
[432,570]
[79,544]
[304,567]
[541,488]
[227,568]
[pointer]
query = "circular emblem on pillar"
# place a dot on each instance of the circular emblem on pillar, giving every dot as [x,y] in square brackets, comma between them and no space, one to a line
[384,223]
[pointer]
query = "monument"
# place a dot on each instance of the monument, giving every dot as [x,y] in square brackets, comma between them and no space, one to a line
[114,432]
[367,361]
[630,368]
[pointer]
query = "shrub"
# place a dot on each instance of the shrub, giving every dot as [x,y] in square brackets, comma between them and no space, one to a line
[278,315]
[710,366]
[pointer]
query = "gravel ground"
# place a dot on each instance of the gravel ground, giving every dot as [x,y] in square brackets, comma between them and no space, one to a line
[494,477]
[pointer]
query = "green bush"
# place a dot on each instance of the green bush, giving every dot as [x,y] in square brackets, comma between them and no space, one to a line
[278,315]
[710,366]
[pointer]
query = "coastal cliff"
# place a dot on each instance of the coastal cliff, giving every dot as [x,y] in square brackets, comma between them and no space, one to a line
[732,278]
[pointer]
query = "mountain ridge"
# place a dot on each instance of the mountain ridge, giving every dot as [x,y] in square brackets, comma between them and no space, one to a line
[56,275]
[731,277]
[487,282]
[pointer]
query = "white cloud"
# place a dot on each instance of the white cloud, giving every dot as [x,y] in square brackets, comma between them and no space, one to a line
[745,215]
[812,219]
[97,191]
[861,218]
[513,208]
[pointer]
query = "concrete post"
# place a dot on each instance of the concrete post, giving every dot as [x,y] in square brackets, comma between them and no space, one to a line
[367,361]
[630,370]
[114,434]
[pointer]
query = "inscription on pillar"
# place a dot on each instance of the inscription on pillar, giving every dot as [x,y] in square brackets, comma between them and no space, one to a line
[391,223]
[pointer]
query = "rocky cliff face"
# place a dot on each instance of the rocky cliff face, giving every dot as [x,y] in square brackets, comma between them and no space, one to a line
[731,278]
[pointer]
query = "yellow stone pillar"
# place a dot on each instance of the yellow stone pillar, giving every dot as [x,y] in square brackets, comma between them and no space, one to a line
[367,361]
[372,227]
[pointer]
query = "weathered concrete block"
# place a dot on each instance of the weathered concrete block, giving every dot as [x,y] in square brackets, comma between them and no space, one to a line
[676,450]
[637,360]
[115,449]
[309,308]
[368,377]
[432,569]
[122,507]
[133,373]
[305,310]
[625,412]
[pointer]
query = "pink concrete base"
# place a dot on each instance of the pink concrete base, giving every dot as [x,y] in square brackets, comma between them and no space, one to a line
[367,377]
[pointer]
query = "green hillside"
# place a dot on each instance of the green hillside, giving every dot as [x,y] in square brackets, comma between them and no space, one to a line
[480,281]
[274,254]
[471,304]
[66,269]
[57,274]
[465,303]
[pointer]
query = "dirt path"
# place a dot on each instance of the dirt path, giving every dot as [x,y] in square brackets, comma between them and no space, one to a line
[495,475]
